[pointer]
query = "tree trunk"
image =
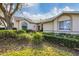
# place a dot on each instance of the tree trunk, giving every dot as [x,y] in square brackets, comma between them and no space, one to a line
[9,27]
[9,23]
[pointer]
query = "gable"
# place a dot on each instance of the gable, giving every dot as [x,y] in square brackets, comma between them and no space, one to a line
[64,17]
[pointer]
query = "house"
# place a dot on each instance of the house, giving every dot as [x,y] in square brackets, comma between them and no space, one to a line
[22,23]
[25,23]
[65,22]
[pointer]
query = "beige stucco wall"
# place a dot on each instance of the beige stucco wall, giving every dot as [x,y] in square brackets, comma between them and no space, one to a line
[17,24]
[61,18]
[54,24]
[75,23]
[30,26]
[48,27]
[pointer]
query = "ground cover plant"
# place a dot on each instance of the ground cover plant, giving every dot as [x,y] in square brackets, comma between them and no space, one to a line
[46,50]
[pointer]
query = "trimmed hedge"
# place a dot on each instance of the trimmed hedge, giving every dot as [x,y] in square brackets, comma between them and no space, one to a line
[7,34]
[20,31]
[21,37]
[12,37]
[75,36]
[64,41]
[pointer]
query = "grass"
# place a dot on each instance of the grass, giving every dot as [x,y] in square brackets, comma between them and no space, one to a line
[45,50]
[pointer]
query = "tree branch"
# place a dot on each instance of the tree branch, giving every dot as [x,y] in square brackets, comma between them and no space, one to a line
[11,5]
[16,8]
[3,23]
[2,18]
[2,9]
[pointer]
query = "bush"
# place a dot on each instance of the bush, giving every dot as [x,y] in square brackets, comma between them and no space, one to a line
[65,35]
[64,41]
[30,30]
[21,31]
[8,34]
[24,38]
[37,38]
[7,37]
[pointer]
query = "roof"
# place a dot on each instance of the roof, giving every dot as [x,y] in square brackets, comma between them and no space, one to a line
[46,20]
[65,12]
[22,18]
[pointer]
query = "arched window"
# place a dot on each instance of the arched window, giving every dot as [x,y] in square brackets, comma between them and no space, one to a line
[24,25]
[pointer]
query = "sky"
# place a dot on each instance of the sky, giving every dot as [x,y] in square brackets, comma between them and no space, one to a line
[36,11]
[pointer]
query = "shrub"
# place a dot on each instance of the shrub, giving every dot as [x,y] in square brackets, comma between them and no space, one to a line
[21,31]
[24,37]
[30,30]
[68,42]
[37,38]
[7,37]
[12,36]
[8,34]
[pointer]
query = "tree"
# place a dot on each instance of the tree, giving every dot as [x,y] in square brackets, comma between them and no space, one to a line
[8,10]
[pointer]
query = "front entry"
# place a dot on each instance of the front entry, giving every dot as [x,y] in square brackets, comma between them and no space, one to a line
[24,26]
[40,27]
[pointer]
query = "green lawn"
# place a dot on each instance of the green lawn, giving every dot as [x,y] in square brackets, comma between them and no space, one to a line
[45,50]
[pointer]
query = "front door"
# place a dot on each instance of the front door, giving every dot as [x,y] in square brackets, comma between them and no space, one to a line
[38,28]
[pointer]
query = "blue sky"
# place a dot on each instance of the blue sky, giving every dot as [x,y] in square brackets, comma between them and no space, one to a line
[46,10]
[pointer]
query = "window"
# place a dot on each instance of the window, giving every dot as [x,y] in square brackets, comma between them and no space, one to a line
[65,25]
[24,25]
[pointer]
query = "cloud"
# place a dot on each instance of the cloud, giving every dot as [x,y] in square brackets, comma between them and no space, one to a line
[31,4]
[32,16]
[56,11]
[68,9]
[53,12]
[36,16]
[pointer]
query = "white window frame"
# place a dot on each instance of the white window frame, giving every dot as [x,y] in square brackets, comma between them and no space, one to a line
[64,25]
